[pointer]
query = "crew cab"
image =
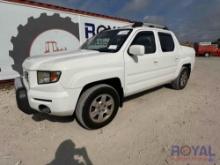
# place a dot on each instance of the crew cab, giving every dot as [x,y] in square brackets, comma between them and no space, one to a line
[93,81]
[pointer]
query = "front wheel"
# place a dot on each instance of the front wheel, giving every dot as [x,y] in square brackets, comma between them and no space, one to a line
[181,81]
[97,106]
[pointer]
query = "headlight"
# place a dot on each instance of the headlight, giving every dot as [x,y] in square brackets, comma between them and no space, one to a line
[46,77]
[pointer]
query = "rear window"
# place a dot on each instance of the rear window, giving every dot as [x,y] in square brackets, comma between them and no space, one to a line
[166,42]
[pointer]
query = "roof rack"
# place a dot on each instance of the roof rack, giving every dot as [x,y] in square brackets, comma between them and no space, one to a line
[140,24]
[137,24]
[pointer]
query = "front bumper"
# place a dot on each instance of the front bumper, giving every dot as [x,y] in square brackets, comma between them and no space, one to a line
[58,103]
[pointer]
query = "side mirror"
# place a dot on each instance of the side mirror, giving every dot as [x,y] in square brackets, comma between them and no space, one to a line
[137,50]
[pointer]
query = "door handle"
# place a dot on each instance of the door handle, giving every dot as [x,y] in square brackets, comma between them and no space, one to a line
[155,61]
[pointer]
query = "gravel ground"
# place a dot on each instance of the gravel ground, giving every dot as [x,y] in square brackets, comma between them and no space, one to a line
[142,132]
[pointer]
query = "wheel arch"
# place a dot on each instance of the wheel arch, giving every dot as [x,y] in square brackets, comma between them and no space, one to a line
[115,82]
[188,65]
[187,62]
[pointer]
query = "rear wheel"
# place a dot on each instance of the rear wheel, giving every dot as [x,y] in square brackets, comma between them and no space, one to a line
[97,106]
[181,81]
[207,54]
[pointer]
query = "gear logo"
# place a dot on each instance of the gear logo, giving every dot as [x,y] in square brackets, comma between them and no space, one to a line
[23,42]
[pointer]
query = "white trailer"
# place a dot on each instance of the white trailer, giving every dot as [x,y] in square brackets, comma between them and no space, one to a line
[30,29]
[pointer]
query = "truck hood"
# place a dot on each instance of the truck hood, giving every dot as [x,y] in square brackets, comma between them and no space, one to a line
[47,61]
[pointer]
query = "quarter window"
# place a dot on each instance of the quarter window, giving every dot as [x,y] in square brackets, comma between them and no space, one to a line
[147,40]
[166,42]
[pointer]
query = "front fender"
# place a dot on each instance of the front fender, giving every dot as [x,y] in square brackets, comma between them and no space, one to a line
[82,78]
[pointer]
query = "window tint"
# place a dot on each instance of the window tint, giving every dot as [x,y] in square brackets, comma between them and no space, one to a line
[166,42]
[147,40]
[107,41]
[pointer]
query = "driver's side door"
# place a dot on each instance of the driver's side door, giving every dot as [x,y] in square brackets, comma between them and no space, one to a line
[141,71]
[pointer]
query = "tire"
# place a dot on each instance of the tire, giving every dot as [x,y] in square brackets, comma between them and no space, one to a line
[90,104]
[181,81]
[34,27]
[22,102]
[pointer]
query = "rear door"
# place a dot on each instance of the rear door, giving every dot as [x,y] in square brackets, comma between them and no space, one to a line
[167,60]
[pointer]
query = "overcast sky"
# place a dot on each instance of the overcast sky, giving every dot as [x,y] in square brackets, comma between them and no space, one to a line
[192,20]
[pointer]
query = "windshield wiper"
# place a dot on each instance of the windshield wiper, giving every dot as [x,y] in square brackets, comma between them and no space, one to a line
[105,50]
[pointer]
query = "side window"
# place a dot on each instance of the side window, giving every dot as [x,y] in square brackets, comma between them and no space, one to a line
[166,42]
[147,40]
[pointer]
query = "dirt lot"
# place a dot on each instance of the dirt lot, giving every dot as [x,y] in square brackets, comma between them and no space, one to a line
[142,133]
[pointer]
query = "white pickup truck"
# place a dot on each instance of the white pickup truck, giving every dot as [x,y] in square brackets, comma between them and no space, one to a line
[93,81]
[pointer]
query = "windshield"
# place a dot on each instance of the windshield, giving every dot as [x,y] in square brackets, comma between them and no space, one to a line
[107,41]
